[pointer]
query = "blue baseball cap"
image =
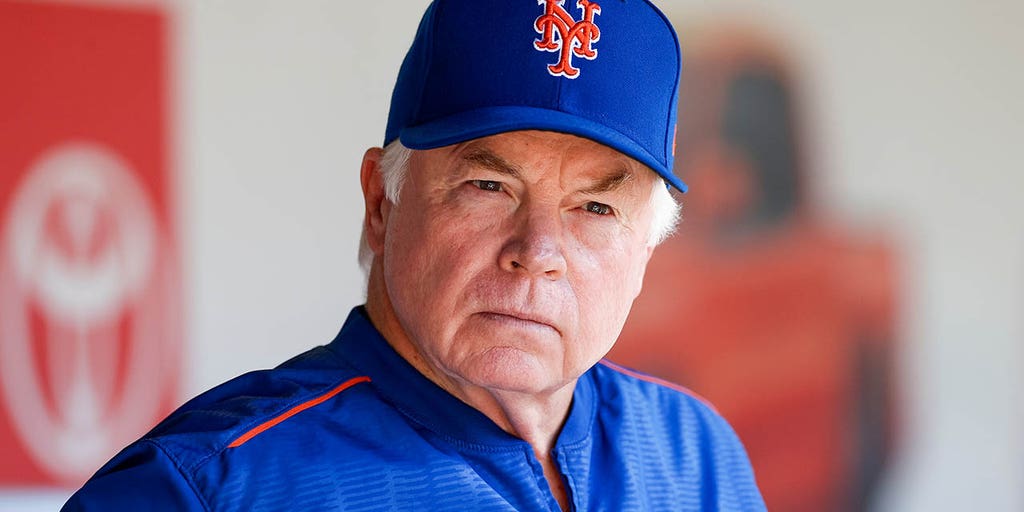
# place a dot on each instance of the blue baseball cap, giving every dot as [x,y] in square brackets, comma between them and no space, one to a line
[607,70]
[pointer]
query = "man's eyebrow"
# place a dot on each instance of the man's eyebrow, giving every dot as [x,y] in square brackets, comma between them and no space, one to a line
[489,160]
[612,181]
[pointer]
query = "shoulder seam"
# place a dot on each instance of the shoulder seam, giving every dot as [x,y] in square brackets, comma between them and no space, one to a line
[659,382]
[295,409]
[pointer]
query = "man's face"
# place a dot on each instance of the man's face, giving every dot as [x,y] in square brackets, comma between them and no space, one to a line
[512,261]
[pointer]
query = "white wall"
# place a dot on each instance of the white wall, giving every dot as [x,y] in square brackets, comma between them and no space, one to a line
[916,105]
[280,101]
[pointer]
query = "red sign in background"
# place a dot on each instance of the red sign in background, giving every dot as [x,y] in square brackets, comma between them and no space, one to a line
[90,324]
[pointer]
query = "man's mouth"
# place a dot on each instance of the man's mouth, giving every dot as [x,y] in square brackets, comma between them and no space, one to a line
[521,319]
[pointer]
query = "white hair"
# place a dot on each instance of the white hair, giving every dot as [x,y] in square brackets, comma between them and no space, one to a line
[394,164]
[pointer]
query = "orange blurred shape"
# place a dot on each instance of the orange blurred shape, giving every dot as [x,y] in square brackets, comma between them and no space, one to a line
[780,318]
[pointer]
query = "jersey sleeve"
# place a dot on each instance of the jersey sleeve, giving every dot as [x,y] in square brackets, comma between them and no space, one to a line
[142,477]
[736,487]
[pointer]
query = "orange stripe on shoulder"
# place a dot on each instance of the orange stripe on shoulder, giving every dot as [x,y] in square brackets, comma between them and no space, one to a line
[267,425]
[661,382]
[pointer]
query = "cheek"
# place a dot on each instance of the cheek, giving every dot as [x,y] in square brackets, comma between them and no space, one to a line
[609,255]
[430,257]
[605,282]
[604,297]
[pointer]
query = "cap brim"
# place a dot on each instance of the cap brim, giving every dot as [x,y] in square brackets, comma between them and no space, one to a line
[482,122]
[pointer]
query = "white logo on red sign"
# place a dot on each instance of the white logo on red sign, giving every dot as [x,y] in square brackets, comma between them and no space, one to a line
[83,307]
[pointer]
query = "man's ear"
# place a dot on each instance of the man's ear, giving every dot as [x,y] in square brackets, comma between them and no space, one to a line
[376,204]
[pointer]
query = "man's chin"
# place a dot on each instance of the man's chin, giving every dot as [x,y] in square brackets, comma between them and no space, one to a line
[513,370]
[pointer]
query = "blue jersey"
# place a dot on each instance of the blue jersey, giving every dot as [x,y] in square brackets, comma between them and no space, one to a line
[351,426]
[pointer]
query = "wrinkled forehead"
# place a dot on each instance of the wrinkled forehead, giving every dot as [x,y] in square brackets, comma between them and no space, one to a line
[533,155]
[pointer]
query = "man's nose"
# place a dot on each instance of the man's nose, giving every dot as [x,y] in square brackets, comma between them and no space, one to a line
[535,248]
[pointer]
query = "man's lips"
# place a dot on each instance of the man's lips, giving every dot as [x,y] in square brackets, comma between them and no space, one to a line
[526,319]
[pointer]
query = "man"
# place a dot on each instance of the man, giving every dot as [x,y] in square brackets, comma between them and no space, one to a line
[507,226]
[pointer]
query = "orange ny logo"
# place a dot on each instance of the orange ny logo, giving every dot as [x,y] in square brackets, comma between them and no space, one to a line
[560,33]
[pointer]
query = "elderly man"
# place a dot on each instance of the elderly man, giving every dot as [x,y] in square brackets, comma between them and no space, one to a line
[508,222]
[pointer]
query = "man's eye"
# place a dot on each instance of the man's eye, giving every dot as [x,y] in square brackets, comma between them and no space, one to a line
[491,186]
[598,208]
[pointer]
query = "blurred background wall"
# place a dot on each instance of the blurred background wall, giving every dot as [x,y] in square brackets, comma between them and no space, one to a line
[241,126]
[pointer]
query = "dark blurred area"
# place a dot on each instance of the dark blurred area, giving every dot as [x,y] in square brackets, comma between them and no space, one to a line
[782,318]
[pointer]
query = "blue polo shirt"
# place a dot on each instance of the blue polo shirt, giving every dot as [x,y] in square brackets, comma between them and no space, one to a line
[351,426]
